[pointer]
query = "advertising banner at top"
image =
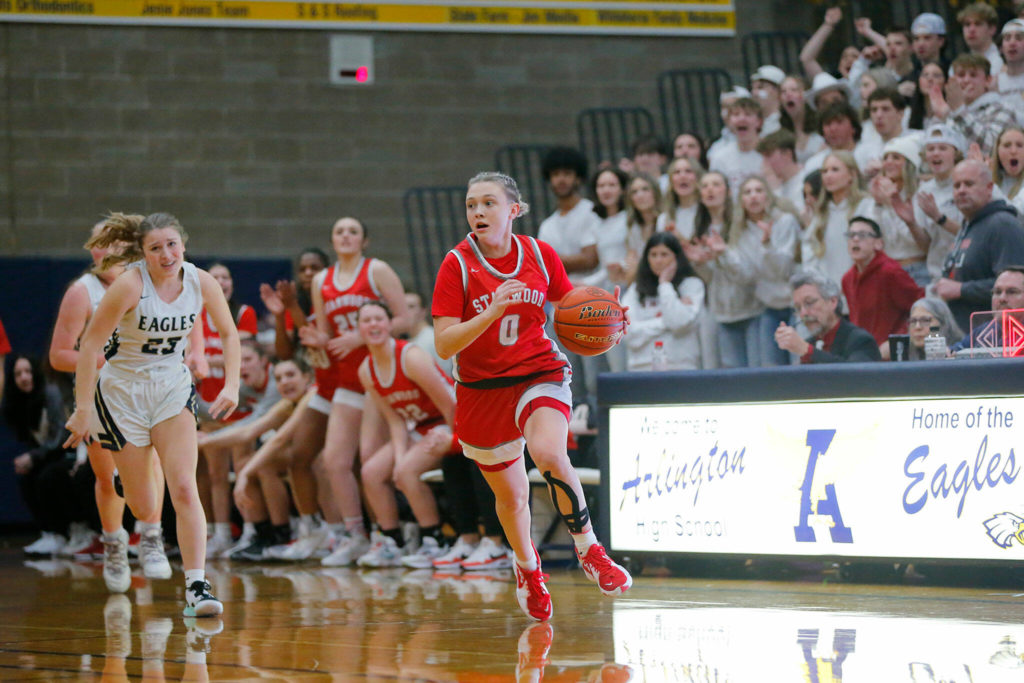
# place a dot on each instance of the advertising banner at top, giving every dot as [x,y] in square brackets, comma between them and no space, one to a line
[623,17]
[898,478]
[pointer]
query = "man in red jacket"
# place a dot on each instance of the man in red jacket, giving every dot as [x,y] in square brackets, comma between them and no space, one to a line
[877,289]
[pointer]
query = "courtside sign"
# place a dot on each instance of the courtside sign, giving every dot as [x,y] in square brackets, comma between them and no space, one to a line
[898,478]
[624,17]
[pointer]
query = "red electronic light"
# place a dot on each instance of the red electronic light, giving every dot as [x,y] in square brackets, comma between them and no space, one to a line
[362,74]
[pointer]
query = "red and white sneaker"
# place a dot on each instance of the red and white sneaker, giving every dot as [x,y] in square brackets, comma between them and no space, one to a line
[533,597]
[534,645]
[610,577]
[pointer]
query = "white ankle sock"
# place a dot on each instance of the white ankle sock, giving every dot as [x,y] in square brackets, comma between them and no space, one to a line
[531,565]
[584,541]
[193,575]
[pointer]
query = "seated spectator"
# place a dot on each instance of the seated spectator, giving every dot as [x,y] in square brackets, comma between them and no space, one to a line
[34,411]
[982,116]
[5,348]
[886,108]
[1007,295]
[990,240]
[980,22]
[765,86]
[1008,165]
[664,305]
[833,338]
[925,314]
[823,246]
[799,118]
[934,209]
[878,291]
[928,32]
[691,146]
[1010,81]
[809,53]
[827,90]
[739,159]
[841,129]
[892,195]
[779,152]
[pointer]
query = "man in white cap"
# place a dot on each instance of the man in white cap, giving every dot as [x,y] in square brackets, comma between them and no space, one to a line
[934,209]
[1010,81]
[929,37]
[765,86]
[826,89]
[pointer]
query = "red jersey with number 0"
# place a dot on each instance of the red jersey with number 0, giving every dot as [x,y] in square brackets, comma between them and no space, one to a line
[404,395]
[516,345]
[341,307]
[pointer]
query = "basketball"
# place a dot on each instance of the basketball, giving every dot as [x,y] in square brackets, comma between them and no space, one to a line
[588,321]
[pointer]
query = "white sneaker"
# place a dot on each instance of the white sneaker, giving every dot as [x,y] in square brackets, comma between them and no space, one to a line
[79,538]
[383,553]
[453,557]
[488,555]
[48,543]
[199,602]
[424,558]
[117,620]
[347,551]
[243,542]
[152,555]
[116,572]
[303,547]
[217,545]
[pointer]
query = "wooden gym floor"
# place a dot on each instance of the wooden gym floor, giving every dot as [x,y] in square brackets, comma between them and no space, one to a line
[307,623]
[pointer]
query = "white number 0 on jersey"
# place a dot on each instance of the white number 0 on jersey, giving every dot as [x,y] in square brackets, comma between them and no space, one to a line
[508,333]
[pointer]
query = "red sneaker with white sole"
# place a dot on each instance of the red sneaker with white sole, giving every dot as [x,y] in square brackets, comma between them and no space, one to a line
[533,597]
[610,577]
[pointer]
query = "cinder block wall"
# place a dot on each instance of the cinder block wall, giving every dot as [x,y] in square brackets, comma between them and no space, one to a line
[239,134]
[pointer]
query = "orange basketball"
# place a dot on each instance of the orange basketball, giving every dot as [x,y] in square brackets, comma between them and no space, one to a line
[588,321]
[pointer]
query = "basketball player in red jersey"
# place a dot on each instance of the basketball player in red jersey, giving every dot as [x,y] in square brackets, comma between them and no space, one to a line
[406,387]
[337,294]
[513,382]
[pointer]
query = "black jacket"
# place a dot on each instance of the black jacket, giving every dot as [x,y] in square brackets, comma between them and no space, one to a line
[991,240]
[852,345]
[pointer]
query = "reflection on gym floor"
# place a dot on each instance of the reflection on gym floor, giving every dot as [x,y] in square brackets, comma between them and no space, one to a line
[307,623]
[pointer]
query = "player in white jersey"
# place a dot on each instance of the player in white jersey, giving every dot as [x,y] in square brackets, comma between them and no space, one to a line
[76,308]
[144,394]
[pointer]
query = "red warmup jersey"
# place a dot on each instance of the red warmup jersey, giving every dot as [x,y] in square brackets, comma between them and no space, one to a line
[246,322]
[516,345]
[341,307]
[404,395]
[5,345]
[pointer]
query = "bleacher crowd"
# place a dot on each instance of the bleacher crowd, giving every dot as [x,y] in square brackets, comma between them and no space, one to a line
[836,211]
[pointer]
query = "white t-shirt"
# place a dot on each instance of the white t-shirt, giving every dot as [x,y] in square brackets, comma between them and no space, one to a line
[612,235]
[569,233]
[736,165]
[942,240]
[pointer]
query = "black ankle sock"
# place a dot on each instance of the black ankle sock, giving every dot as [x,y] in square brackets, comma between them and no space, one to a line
[432,532]
[282,533]
[264,530]
[395,534]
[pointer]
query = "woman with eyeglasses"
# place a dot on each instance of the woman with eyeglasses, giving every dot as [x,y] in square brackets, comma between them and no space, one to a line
[924,314]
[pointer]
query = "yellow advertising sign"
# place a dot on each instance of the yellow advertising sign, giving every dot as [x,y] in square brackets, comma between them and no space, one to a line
[637,17]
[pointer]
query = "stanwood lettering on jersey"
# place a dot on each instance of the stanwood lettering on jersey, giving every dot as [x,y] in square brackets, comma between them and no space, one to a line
[410,395]
[350,300]
[527,296]
[172,323]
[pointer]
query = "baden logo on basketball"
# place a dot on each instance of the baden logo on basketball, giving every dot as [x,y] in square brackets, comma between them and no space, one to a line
[592,313]
[589,321]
